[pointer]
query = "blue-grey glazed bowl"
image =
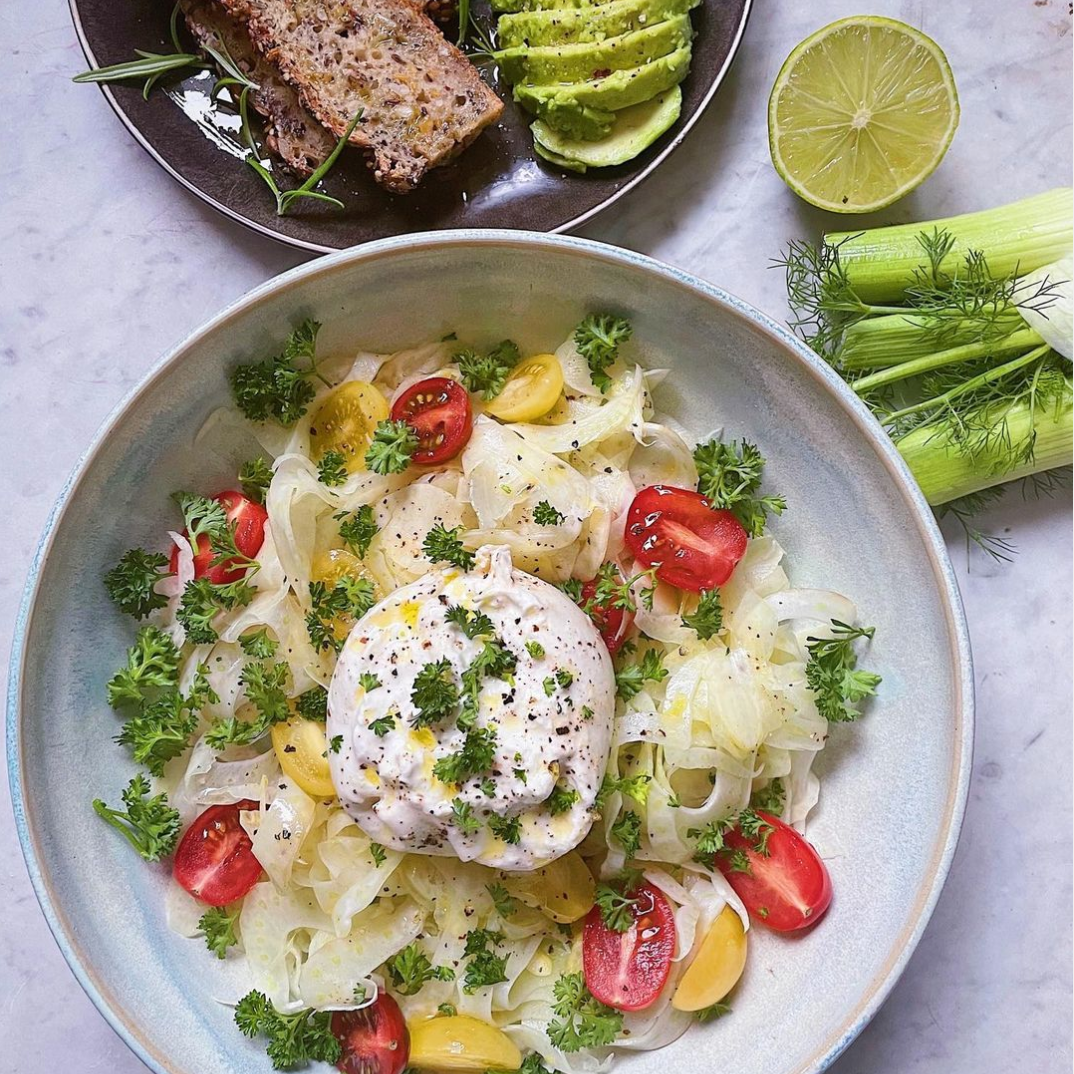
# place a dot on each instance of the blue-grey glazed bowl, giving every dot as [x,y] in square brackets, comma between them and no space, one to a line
[894,785]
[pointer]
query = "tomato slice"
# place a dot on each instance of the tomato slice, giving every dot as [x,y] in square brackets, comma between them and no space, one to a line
[215,860]
[248,519]
[439,410]
[628,970]
[786,889]
[375,1039]
[693,546]
[613,623]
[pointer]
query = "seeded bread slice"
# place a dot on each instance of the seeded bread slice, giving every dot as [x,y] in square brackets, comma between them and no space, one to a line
[291,133]
[421,99]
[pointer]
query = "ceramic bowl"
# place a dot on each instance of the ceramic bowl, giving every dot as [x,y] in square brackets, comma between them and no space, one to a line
[893,785]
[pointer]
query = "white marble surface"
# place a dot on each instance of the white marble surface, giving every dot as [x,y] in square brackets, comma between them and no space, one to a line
[105,262]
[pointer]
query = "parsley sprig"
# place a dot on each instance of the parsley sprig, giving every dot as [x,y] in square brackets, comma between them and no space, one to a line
[293,1039]
[582,1021]
[148,823]
[626,831]
[434,694]
[631,678]
[332,469]
[279,388]
[706,620]
[487,373]
[474,757]
[411,968]
[131,582]
[485,967]
[442,545]
[598,338]
[390,450]
[217,925]
[615,902]
[544,514]
[255,477]
[265,688]
[729,477]
[349,596]
[152,664]
[832,673]
[358,529]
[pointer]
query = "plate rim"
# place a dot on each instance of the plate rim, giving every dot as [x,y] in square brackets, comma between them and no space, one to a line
[318,248]
[856,1019]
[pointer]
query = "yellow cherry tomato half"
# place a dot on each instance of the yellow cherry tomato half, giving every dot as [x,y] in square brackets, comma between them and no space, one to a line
[333,566]
[459,1042]
[302,749]
[716,968]
[563,889]
[345,422]
[532,389]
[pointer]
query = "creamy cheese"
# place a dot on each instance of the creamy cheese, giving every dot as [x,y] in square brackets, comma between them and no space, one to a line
[552,718]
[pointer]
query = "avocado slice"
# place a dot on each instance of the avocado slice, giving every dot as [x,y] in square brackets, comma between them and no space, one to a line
[539,5]
[560,162]
[577,62]
[635,128]
[562,26]
[582,109]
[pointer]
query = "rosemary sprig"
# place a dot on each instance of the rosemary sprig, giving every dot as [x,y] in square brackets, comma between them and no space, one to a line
[151,66]
[286,198]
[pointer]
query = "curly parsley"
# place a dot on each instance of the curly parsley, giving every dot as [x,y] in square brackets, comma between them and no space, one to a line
[706,620]
[434,694]
[131,582]
[332,469]
[358,529]
[148,823]
[544,514]
[293,1039]
[582,1021]
[279,388]
[442,545]
[832,673]
[390,450]
[598,338]
[729,476]
[217,925]
[488,373]
[411,968]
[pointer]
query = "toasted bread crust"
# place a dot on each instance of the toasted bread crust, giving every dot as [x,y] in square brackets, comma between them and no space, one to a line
[420,98]
[291,133]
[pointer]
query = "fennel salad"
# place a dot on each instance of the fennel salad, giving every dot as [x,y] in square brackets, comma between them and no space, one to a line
[477,721]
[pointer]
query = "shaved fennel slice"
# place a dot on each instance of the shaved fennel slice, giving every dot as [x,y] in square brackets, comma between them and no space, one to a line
[589,421]
[662,458]
[326,978]
[277,834]
[509,475]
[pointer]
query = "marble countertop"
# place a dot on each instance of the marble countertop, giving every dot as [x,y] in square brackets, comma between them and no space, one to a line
[105,262]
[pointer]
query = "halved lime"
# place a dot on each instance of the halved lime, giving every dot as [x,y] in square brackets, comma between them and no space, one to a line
[861,113]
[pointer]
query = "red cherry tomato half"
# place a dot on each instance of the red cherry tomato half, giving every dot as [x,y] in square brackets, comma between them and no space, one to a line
[677,531]
[613,623]
[786,889]
[627,970]
[248,519]
[375,1039]
[214,860]
[439,410]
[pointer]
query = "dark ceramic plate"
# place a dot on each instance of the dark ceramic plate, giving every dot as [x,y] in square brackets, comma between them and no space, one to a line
[498,182]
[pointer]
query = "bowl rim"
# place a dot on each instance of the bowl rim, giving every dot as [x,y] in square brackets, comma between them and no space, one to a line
[567,226]
[855,1020]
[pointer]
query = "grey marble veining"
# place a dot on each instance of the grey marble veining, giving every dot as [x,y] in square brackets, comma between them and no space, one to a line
[105,262]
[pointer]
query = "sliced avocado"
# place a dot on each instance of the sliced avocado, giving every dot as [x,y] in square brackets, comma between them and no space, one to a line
[539,5]
[580,110]
[560,162]
[577,62]
[564,26]
[635,128]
